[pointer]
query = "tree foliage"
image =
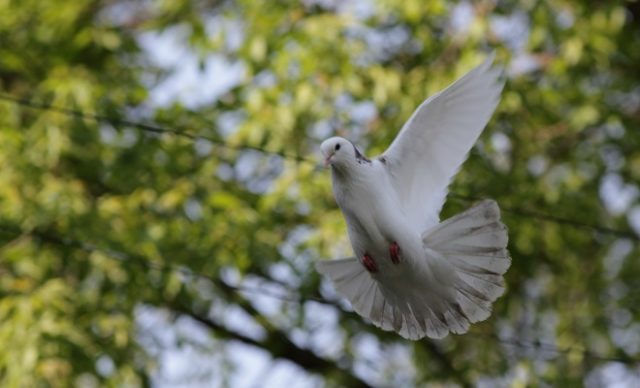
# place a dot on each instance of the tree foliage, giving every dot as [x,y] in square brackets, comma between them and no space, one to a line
[213,211]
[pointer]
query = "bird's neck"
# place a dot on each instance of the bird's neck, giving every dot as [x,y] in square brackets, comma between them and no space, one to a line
[344,172]
[351,175]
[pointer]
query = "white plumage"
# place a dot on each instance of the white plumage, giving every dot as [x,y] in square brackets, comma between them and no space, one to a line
[412,274]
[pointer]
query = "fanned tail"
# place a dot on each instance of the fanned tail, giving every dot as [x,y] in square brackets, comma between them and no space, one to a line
[411,315]
[473,243]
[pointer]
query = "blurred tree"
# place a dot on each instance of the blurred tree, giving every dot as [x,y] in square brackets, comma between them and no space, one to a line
[115,236]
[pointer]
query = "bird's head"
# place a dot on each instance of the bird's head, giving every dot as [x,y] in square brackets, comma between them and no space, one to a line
[337,152]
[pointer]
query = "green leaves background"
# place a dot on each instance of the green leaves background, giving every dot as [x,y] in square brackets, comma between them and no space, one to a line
[102,220]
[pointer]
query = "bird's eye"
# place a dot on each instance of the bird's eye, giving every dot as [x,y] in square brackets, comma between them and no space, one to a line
[337,146]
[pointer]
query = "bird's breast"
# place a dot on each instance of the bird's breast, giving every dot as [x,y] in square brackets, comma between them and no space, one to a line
[375,219]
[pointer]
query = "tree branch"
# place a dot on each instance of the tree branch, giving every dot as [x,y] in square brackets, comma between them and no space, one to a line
[278,344]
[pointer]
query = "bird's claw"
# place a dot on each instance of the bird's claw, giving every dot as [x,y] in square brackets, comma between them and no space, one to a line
[369,264]
[394,252]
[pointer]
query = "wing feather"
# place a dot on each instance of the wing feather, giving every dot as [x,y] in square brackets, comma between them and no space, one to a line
[437,138]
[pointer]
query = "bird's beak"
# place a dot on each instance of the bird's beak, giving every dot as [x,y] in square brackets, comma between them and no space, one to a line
[327,160]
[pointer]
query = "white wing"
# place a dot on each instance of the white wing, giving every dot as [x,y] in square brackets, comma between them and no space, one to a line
[435,141]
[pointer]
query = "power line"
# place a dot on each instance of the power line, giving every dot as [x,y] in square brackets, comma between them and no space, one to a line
[289,296]
[555,219]
[153,128]
[550,348]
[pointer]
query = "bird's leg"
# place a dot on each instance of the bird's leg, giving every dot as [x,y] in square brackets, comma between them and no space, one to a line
[394,252]
[369,264]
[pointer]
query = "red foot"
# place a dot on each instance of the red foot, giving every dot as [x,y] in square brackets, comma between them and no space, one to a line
[394,252]
[369,264]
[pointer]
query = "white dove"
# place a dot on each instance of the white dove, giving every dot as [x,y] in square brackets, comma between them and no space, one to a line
[413,274]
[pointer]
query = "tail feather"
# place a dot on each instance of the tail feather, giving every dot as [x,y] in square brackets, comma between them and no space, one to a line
[473,242]
[352,281]
[474,306]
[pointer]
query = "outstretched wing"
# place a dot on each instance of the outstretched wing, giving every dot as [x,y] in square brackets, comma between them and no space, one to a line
[435,141]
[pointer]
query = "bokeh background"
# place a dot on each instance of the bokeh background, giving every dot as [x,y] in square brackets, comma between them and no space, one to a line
[162,204]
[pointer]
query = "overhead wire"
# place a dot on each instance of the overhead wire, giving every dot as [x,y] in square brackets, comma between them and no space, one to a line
[157,129]
[152,128]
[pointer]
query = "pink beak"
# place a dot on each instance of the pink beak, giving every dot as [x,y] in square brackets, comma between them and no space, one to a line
[327,161]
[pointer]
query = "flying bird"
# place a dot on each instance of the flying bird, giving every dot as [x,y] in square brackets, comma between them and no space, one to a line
[412,273]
